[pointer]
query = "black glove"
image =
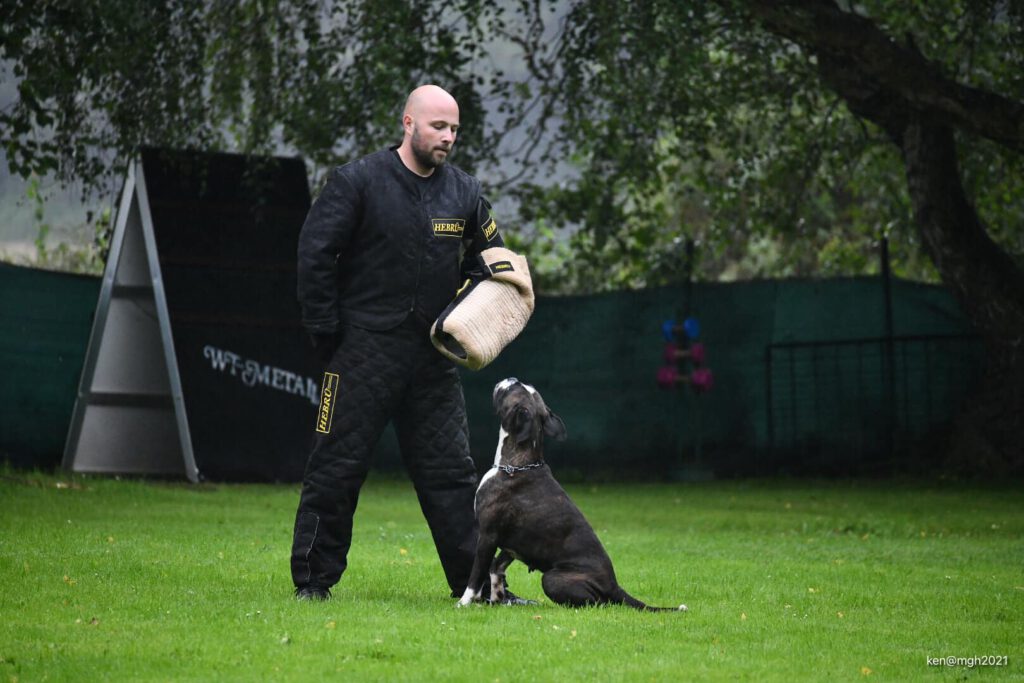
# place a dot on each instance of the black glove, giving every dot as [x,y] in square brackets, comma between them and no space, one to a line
[324,345]
[475,269]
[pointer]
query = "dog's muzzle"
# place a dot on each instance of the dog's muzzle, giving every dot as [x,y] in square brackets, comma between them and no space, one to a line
[486,314]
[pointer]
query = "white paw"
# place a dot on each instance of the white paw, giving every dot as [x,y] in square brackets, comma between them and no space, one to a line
[469,596]
[683,608]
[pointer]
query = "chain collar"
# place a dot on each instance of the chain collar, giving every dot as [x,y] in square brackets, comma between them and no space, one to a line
[511,470]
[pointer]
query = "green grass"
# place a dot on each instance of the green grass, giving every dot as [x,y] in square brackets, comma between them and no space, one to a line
[127,580]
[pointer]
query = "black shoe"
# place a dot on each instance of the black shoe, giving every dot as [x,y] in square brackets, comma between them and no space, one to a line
[513,599]
[314,593]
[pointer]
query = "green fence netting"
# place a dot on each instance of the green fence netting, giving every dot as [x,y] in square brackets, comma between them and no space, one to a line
[808,379]
[45,319]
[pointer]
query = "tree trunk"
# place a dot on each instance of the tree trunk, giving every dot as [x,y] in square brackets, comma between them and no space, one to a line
[989,434]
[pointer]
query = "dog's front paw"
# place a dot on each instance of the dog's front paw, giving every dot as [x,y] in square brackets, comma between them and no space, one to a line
[468,597]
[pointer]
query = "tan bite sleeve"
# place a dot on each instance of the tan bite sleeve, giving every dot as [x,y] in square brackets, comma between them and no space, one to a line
[486,315]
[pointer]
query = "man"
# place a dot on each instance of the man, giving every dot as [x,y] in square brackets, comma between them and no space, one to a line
[379,259]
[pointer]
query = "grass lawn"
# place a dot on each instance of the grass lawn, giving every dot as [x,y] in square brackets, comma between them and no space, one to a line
[139,581]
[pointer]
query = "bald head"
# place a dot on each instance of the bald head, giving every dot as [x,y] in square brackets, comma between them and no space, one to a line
[429,122]
[429,98]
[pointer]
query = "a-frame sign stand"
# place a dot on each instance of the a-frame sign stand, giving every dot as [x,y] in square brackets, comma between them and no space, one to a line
[129,416]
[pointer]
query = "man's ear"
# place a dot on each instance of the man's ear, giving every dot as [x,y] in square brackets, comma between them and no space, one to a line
[554,427]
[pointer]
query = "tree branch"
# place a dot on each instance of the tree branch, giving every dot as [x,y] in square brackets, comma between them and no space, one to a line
[882,79]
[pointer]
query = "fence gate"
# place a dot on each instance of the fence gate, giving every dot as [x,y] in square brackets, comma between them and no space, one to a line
[840,405]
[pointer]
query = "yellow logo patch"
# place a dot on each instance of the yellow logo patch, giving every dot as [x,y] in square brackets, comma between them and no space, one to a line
[501,267]
[491,229]
[448,227]
[328,393]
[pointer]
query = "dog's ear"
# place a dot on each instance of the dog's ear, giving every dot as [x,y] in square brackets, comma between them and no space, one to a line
[521,424]
[554,427]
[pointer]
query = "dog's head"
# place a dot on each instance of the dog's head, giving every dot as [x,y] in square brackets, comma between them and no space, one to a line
[524,415]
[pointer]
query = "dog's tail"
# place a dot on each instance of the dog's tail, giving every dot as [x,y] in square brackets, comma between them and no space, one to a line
[628,600]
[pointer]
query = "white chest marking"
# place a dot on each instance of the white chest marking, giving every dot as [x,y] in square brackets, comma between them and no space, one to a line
[497,462]
[501,442]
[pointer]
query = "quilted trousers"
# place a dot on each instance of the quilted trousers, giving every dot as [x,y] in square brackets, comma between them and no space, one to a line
[372,379]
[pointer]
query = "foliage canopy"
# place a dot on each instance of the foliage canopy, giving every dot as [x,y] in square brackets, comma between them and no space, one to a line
[631,127]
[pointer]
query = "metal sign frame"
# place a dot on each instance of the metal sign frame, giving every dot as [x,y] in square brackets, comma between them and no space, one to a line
[129,415]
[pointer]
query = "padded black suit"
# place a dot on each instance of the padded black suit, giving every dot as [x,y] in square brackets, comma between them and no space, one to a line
[380,256]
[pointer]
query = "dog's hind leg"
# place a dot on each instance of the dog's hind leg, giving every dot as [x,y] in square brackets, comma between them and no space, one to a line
[570,588]
[498,567]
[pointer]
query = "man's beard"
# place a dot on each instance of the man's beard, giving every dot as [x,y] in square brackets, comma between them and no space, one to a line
[425,155]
